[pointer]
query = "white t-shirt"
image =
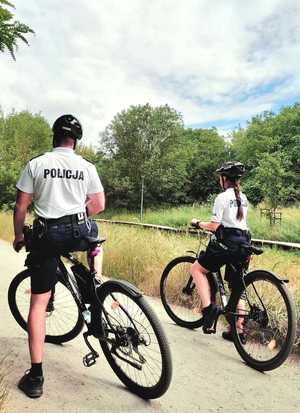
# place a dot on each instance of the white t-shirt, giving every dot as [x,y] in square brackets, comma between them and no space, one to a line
[225,210]
[60,182]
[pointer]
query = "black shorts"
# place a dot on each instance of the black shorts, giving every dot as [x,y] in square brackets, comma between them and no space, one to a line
[58,239]
[229,251]
[215,257]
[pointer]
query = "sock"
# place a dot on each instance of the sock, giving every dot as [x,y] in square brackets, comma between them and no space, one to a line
[36,369]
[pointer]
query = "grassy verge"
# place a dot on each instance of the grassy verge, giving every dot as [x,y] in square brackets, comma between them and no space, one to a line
[288,230]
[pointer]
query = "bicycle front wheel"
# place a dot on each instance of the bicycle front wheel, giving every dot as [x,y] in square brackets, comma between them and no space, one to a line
[179,295]
[63,319]
[135,346]
[264,326]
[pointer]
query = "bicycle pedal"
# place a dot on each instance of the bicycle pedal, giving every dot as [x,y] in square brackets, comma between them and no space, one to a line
[209,330]
[90,359]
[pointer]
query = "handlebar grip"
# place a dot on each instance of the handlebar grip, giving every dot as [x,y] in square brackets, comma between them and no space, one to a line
[194,223]
[19,245]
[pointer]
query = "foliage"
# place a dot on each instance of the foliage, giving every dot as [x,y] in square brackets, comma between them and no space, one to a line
[208,151]
[271,141]
[11,31]
[22,136]
[176,164]
[144,143]
[271,174]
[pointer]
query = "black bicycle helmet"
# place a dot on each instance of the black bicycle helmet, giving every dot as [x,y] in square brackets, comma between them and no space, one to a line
[67,125]
[233,170]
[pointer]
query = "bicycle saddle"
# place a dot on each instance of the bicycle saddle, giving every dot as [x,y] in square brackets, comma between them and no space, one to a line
[94,241]
[256,251]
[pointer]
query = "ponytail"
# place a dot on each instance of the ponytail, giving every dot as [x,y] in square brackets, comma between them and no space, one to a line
[240,212]
[234,182]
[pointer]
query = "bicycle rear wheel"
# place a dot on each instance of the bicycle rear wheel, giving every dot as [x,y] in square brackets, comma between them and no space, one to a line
[138,351]
[63,319]
[179,295]
[269,321]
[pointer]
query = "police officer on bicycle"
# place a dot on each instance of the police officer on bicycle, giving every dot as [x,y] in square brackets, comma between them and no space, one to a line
[66,190]
[229,246]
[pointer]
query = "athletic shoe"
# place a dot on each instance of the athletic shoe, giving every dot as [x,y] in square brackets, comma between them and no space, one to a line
[209,315]
[31,386]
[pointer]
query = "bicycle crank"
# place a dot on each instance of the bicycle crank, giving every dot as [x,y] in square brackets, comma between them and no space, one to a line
[90,359]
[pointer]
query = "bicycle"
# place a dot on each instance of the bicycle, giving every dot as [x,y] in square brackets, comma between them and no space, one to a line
[267,313]
[114,312]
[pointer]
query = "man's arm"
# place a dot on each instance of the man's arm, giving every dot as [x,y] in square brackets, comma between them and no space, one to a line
[22,202]
[95,203]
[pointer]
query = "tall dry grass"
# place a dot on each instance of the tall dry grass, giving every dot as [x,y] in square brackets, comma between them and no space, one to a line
[6,226]
[140,255]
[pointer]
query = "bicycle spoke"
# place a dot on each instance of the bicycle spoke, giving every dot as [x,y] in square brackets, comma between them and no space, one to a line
[265,324]
[61,319]
[133,317]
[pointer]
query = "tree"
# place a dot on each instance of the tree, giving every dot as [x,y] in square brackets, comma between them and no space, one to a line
[11,31]
[273,178]
[272,135]
[257,138]
[22,136]
[145,143]
[207,152]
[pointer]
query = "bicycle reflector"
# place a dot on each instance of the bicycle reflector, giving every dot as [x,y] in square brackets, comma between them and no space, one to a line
[115,305]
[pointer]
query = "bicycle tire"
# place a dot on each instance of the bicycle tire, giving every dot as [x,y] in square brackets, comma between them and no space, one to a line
[271,337]
[109,293]
[170,309]
[15,289]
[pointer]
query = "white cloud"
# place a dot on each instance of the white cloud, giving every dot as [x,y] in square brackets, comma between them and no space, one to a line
[210,60]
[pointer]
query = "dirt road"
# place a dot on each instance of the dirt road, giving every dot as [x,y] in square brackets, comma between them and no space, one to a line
[208,376]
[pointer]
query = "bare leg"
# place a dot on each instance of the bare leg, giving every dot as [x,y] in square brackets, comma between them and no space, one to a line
[201,282]
[241,309]
[99,262]
[37,325]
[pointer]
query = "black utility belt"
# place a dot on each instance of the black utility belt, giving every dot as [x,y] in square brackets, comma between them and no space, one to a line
[236,231]
[79,218]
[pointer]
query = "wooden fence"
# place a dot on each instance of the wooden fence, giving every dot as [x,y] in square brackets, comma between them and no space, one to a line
[189,231]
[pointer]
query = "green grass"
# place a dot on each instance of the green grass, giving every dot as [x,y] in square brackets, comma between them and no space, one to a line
[179,217]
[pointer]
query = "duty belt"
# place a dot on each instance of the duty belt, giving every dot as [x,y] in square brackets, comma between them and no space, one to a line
[79,218]
[236,231]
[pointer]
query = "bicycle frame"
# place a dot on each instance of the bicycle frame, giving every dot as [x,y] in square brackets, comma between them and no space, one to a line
[69,280]
[216,283]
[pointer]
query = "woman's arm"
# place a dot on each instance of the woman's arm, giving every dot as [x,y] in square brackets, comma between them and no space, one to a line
[209,226]
[206,226]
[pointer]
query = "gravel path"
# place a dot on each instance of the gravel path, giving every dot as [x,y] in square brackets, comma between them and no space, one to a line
[208,376]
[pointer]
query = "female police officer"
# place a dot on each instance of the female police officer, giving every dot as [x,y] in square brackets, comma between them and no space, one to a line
[229,223]
[66,190]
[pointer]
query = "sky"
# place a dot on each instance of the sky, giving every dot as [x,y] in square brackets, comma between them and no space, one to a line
[218,62]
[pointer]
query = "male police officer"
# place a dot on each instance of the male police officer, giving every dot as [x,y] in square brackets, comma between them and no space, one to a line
[65,189]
